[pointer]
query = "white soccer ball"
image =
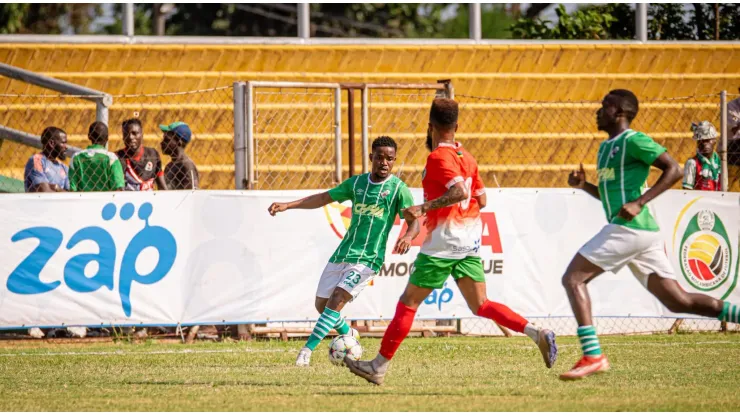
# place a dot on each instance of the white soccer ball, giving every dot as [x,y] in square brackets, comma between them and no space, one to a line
[344,345]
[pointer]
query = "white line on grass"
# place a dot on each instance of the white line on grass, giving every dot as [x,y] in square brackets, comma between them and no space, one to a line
[165,352]
[619,344]
[250,350]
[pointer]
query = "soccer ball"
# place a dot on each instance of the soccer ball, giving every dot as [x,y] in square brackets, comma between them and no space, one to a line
[344,345]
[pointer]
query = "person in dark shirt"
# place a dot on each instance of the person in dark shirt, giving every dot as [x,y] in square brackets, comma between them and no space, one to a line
[142,166]
[181,172]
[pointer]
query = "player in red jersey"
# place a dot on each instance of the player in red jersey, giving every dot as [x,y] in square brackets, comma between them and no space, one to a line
[454,194]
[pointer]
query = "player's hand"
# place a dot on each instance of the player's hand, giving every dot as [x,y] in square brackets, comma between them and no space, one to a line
[413,213]
[630,210]
[402,245]
[577,178]
[277,207]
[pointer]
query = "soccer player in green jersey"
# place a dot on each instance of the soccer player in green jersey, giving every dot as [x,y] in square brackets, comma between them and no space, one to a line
[377,197]
[631,238]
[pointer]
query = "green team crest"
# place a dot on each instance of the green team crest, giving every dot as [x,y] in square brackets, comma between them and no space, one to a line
[705,253]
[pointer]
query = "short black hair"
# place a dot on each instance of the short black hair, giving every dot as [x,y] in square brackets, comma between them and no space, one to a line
[444,112]
[50,133]
[384,141]
[130,122]
[627,102]
[98,132]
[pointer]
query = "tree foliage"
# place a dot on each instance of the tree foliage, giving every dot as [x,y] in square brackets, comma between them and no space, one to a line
[666,21]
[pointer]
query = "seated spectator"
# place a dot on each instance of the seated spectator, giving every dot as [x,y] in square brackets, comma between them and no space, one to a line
[95,168]
[142,166]
[703,171]
[181,172]
[44,171]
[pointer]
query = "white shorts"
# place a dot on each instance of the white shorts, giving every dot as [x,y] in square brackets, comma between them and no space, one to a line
[350,277]
[643,251]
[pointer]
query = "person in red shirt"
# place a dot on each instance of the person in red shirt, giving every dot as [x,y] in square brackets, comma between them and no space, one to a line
[454,194]
[703,171]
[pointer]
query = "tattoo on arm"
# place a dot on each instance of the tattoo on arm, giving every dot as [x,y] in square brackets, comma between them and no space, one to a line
[453,195]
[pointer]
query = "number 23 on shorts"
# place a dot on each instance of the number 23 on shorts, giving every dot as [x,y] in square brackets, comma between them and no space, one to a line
[352,279]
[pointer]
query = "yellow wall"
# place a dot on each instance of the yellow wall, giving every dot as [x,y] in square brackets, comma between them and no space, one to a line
[522,72]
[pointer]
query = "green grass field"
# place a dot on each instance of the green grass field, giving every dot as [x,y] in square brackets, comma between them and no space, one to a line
[687,372]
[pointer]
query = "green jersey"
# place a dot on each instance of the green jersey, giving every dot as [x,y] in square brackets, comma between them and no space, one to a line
[374,210]
[623,164]
[95,169]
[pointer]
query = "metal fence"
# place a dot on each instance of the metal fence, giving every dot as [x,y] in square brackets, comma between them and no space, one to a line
[208,113]
[536,143]
[292,135]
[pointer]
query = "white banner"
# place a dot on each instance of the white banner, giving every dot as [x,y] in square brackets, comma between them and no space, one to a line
[218,257]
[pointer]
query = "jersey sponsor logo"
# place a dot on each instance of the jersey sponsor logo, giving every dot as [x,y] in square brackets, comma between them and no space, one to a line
[606,174]
[385,193]
[705,252]
[149,166]
[369,209]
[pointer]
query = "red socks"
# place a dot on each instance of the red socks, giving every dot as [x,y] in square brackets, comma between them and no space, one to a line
[502,315]
[397,330]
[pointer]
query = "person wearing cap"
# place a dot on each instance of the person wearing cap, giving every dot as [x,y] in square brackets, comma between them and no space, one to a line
[95,169]
[181,172]
[702,172]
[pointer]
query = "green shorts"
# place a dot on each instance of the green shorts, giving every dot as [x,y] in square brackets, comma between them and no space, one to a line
[432,272]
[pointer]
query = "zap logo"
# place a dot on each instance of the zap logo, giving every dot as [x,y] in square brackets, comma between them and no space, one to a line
[25,279]
[705,251]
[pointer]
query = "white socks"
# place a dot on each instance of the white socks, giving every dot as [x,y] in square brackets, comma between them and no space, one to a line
[532,332]
[380,364]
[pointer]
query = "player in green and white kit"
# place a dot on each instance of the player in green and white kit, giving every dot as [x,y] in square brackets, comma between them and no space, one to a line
[377,198]
[631,238]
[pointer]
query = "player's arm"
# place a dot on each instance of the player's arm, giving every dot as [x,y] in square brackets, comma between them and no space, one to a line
[671,174]
[404,243]
[482,200]
[309,202]
[577,179]
[479,190]
[456,193]
[412,224]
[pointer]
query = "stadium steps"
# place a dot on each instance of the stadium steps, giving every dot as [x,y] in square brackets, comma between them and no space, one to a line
[524,144]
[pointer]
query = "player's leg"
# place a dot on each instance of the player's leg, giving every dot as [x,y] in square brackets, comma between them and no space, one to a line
[611,249]
[329,279]
[579,273]
[429,273]
[471,281]
[348,281]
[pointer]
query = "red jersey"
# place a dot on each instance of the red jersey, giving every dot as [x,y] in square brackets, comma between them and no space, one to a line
[453,232]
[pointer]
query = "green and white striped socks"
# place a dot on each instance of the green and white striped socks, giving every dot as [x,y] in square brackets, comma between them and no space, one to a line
[730,313]
[326,322]
[341,326]
[589,340]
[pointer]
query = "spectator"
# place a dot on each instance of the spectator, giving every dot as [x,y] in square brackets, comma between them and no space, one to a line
[95,168]
[733,144]
[44,171]
[702,172]
[181,172]
[142,166]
